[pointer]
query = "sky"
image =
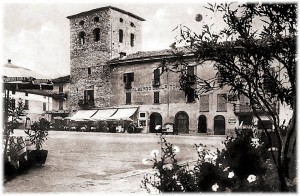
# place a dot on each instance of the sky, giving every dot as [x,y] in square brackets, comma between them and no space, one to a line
[36,34]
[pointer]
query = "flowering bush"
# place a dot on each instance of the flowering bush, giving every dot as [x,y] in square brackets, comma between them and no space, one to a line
[244,165]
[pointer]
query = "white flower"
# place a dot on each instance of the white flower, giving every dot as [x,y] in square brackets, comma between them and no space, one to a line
[215,187]
[154,153]
[230,175]
[255,142]
[273,149]
[200,149]
[251,178]
[176,149]
[226,168]
[145,161]
[209,158]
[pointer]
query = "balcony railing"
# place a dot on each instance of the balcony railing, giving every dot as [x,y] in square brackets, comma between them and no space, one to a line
[60,95]
[87,104]
[246,109]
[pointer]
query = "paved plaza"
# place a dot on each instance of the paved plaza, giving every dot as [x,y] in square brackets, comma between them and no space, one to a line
[100,162]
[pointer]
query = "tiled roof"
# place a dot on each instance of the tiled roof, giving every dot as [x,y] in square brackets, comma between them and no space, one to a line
[63,79]
[151,54]
[104,8]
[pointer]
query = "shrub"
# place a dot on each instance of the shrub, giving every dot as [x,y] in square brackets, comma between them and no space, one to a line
[244,165]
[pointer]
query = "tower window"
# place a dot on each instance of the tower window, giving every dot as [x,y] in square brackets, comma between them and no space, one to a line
[120,35]
[131,39]
[26,105]
[96,33]
[96,19]
[121,20]
[81,38]
[81,23]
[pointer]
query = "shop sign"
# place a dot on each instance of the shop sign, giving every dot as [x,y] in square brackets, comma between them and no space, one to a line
[232,121]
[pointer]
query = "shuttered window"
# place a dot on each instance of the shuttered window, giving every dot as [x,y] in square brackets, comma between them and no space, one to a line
[204,103]
[222,103]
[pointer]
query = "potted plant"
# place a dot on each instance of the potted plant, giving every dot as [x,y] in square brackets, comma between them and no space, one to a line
[37,137]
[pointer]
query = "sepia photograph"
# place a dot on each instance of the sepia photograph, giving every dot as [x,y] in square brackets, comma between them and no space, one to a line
[142,97]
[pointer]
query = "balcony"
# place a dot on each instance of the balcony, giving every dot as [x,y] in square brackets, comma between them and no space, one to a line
[155,83]
[87,104]
[60,95]
[128,85]
[247,109]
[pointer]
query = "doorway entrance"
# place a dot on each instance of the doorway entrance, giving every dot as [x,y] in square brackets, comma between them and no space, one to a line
[219,125]
[202,124]
[155,119]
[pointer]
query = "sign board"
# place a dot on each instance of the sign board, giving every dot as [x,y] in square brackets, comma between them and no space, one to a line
[232,121]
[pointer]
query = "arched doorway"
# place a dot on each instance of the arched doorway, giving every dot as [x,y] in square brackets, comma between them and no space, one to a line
[219,125]
[202,124]
[155,119]
[182,122]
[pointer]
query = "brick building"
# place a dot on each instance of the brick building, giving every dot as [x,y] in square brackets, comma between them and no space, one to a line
[109,74]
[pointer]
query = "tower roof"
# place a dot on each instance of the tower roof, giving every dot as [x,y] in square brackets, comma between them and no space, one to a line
[105,8]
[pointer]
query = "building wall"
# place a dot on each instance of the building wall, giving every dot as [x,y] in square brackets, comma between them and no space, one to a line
[66,101]
[35,102]
[94,55]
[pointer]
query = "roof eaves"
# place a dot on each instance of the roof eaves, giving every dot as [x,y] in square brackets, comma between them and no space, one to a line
[104,8]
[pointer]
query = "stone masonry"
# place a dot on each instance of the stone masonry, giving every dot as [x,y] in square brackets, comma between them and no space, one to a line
[89,70]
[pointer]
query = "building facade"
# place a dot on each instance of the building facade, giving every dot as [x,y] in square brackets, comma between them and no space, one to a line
[108,70]
[36,105]
[60,98]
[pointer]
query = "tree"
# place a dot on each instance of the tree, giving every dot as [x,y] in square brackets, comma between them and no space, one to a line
[243,56]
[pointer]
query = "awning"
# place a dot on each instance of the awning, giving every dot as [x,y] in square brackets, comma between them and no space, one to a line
[103,114]
[123,114]
[82,115]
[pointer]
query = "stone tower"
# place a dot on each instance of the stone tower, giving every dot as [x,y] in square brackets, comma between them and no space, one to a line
[97,36]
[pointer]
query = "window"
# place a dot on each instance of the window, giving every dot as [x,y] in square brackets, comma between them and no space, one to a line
[246,119]
[13,92]
[120,35]
[89,70]
[121,20]
[60,104]
[142,115]
[81,38]
[132,24]
[131,39]
[128,98]
[26,94]
[44,106]
[81,23]
[96,19]
[191,74]
[96,34]
[89,97]
[190,70]
[156,81]
[204,103]
[13,104]
[156,97]
[26,105]
[190,94]
[61,88]
[128,78]
[221,102]
[265,124]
